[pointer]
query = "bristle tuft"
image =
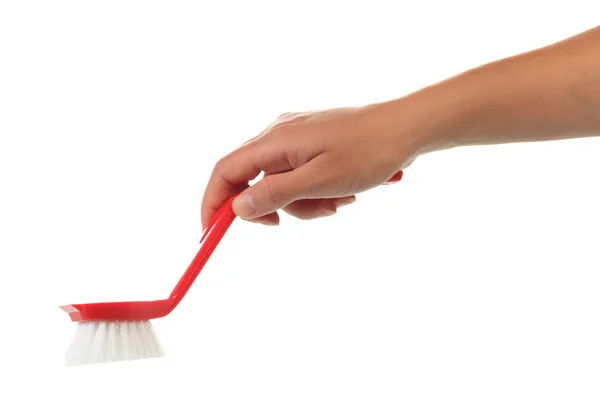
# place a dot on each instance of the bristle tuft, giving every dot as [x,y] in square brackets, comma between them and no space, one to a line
[107,341]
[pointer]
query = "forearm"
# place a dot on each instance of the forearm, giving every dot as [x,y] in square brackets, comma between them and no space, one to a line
[546,94]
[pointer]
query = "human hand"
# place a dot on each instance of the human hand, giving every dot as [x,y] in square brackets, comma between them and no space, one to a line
[313,163]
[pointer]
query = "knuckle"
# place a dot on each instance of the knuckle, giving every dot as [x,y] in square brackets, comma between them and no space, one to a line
[293,158]
[273,191]
[220,165]
[289,119]
[285,115]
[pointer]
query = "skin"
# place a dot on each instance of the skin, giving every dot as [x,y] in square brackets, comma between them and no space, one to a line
[315,162]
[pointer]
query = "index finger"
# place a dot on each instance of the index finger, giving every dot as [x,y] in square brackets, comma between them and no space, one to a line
[233,172]
[229,177]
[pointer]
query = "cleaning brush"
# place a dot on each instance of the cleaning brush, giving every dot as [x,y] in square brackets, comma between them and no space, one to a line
[105,341]
[119,331]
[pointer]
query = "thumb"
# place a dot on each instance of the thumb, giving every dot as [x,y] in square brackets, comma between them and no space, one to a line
[274,192]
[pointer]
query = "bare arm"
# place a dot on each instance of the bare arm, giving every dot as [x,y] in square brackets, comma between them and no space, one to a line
[547,94]
[315,162]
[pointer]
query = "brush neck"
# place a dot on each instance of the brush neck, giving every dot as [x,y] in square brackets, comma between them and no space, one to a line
[210,239]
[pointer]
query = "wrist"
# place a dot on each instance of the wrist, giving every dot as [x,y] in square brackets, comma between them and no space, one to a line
[428,120]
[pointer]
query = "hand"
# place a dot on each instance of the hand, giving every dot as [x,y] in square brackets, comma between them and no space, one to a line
[312,162]
[315,162]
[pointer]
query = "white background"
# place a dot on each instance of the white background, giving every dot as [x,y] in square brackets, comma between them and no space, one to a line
[476,277]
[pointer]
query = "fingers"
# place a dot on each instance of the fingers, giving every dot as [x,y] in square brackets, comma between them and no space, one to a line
[307,209]
[220,188]
[232,174]
[276,191]
[304,193]
[268,220]
[316,208]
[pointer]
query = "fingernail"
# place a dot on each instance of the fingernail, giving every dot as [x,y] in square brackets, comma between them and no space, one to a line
[243,206]
[269,223]
[344,202]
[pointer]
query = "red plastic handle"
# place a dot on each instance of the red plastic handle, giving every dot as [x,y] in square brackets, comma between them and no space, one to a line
[396,178]
[211,237]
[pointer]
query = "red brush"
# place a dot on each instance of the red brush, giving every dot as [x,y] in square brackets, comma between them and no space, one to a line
[116,331]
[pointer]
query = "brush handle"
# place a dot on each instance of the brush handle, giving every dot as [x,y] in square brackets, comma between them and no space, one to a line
[211,237]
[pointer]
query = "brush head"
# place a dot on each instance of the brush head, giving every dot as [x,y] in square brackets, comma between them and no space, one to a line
[107,341]
[120,311]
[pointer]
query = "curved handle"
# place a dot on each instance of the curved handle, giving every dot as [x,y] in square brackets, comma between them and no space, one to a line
[211,237]
[396,178]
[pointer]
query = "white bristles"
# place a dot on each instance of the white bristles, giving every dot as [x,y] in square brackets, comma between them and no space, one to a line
[107,341]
